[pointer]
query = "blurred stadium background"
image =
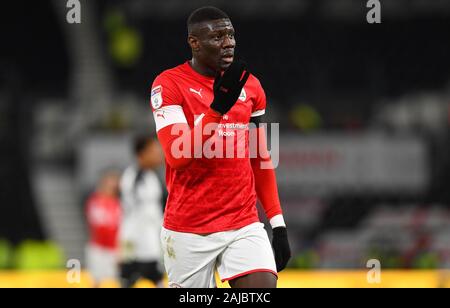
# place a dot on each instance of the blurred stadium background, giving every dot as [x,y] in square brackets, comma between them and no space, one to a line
[364,168]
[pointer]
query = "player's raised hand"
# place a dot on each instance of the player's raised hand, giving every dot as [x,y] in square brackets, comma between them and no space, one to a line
[281,247]
[228,87]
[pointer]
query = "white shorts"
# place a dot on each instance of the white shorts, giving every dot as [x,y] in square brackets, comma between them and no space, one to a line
[102,263]
[191,259]
[140,243]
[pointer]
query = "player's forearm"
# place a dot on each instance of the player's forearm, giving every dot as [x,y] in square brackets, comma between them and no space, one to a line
[266,189]
[174,140]
[266,182]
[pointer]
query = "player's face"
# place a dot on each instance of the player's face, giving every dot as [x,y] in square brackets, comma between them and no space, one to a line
[216,44]
[151,156]
[111,183]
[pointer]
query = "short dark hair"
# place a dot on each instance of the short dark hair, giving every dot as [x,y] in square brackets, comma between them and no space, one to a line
[206,13]
[141,142]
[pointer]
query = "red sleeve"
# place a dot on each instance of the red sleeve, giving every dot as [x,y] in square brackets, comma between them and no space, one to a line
[265,179]
[167,102]
[179,142]
[259,105]
[164,92]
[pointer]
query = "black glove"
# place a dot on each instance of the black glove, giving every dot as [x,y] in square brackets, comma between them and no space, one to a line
[228,87]
[281,247]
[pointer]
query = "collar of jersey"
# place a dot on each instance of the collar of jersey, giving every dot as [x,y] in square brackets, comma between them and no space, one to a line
[192,71]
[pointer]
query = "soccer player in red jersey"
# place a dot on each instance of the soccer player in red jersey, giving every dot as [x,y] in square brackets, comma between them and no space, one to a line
[211,221]
[103,213]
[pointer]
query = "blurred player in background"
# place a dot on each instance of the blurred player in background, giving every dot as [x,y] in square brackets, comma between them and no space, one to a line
[211,220]
[103,213]
[142,201]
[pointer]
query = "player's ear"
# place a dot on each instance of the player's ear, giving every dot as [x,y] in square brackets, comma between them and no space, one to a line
[193,42]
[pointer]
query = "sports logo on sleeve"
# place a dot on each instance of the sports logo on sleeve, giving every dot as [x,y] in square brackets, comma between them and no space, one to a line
[169,115]
[156,97]
[160,114]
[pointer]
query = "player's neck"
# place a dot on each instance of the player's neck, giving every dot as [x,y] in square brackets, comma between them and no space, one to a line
[201,69]
[106,193]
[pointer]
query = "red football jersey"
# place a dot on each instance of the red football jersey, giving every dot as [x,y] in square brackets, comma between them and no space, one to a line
[103,216]
[211,194]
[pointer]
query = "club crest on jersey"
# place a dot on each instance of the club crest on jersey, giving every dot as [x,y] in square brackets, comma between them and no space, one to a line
[243,95]
[156,97]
